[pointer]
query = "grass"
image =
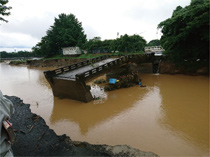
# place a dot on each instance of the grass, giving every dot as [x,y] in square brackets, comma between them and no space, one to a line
[91,55]
[18,62]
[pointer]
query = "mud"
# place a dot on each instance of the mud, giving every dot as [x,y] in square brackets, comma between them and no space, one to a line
[52,62]
[167,67]
[35,138]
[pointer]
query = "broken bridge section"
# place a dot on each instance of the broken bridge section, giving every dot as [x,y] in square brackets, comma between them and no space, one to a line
[70,81]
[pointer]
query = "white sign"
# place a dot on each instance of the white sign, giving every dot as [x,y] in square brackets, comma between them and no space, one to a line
[71,51]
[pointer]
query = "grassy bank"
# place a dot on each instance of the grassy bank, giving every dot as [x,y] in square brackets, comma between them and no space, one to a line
[17,62]
[91,55]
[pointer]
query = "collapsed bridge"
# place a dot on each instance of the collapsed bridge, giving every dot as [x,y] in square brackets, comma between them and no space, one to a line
[70,81]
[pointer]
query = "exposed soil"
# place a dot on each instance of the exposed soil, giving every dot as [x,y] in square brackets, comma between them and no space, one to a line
[35,138]
[53,62]
[170,68]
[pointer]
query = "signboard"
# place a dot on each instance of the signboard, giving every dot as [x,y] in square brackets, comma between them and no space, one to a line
[71,51]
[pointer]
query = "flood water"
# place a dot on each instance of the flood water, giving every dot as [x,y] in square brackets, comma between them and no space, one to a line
[170,116]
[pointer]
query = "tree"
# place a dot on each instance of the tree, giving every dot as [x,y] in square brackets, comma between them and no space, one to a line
[130,43]
[66,31]
[125,43]
[154,42]
[4,10]
[186,33]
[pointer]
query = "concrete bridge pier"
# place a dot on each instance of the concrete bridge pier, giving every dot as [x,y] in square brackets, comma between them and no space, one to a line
[156,64]
[76,90]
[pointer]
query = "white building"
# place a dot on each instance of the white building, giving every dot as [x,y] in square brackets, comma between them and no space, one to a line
[71,51]
[154,49]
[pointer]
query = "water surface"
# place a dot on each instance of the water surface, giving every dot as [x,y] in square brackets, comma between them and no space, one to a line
[169,117]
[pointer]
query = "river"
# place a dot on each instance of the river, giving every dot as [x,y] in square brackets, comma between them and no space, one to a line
[170,116]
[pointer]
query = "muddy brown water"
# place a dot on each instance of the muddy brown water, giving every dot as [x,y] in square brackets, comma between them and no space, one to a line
[169,117]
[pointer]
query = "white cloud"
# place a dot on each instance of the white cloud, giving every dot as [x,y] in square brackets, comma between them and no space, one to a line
[30,19]
[16,40]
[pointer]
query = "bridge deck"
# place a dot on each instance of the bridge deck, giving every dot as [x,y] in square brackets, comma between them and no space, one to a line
[71,75]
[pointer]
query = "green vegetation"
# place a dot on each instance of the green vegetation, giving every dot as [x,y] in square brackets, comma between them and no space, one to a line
[5,54]
[125,43]
[186,34]
[18,62]
[66,31]
[154,42]
[4,10]
[100,81]
[86,56]
[91,55]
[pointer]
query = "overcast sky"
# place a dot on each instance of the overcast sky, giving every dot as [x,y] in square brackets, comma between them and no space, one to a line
[30,19]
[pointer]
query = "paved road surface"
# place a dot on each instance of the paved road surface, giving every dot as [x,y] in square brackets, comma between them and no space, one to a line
[72,74]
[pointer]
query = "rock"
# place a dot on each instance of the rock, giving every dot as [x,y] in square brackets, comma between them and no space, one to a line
[124,150]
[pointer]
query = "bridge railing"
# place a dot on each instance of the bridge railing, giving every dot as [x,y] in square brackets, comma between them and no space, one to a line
[89,73]
[52,73]
[56,72]
[122,59]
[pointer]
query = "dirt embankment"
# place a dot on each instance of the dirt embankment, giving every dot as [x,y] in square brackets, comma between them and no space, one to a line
[170,68]
[35,138]
[53,62]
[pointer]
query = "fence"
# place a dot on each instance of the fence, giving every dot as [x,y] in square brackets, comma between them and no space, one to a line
[69,68]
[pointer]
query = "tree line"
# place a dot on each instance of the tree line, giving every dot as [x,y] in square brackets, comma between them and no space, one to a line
[125,43]
[186,33]
[4,54]
[67,31]
[185,36]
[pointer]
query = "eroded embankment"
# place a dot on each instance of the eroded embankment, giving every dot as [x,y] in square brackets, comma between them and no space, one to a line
[35,138]
[52,62]
[167,67]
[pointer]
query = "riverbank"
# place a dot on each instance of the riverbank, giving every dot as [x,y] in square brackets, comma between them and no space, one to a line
[35,138]
[165,66]
[196,68]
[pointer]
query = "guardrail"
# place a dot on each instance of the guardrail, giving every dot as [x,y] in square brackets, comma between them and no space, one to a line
[86,74]
[52,73]
[98,69]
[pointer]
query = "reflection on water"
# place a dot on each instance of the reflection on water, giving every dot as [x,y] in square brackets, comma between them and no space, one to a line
[169,117]
[186,107]
[88,115]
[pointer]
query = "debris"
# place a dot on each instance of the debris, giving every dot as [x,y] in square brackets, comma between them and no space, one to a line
[41,136]
[22,132]
[35,118]
[142,85]
[100,81]
[112,81]
[31,128]
[96,98]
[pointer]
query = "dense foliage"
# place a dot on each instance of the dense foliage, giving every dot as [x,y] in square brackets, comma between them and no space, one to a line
[4,54]
[186,33]
[154,42]
[67,31]
[4,10]
[125,43]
